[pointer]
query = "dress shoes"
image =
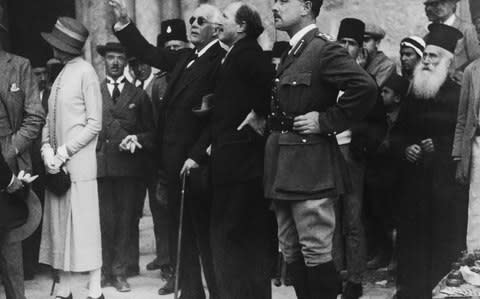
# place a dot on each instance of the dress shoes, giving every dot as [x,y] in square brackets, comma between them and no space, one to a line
[60,297]
[101,297]
[120,283]
[168,288]
[154,265]
[106,281]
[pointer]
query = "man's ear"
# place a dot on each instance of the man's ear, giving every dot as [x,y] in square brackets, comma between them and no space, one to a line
[215,30]
[307,8]
[397,99]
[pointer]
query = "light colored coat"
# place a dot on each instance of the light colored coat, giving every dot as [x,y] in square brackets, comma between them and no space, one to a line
[78,117]
[467,120]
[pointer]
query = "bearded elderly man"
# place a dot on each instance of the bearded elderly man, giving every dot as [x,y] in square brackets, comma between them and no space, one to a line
[432,214]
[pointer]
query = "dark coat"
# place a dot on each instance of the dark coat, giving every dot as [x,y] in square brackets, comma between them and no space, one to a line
[178,128]
[244,84]
[130,115]
[433,207]
[301,167]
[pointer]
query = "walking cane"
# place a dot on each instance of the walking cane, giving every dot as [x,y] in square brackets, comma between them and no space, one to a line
[179,241]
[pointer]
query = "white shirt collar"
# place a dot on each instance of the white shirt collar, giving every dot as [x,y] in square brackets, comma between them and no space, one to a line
[205,49]
[120,80]
[450,20]
[146,82]
[300,34]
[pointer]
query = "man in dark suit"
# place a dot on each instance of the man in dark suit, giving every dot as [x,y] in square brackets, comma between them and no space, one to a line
[121,161]
[304,168]
[193,73]
[241,226]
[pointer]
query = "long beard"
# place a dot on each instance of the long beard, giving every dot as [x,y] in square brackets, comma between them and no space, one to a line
[428,80]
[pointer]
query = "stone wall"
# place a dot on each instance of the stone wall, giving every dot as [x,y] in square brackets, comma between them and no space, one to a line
[399,18]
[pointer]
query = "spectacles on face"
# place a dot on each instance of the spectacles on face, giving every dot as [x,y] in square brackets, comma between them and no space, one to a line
[200,21]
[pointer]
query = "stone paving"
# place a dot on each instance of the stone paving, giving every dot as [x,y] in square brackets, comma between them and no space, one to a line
[147,284]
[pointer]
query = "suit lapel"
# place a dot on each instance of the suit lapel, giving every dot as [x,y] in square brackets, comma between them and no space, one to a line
[125,96]
[5,81]
[197,68]
[177,73]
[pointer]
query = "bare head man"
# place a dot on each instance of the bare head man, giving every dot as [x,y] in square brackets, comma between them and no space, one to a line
[240,20]
[204,25]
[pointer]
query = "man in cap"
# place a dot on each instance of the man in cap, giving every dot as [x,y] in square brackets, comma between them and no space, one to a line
[468,48]
[378,64]
[303,135]
[193,75]
[122,161]
[411,52]
[356,143]
[432,210]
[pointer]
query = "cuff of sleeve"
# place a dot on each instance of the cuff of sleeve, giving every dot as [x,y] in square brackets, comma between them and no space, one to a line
[11,181]
[62,152]
[119,26]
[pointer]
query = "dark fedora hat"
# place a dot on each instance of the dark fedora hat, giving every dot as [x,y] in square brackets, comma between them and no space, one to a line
[206,106]
[173,29]
[68,35]
[33,220]
[111,47]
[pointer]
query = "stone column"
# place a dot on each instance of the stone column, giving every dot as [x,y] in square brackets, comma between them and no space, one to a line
[98,17]
[148,18]
[170,9]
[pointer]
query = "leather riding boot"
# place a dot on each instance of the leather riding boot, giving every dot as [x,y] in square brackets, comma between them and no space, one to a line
[298,272]
[323,281]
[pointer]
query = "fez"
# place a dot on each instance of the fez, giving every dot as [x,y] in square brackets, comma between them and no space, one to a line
[351,28]
[173,29]
[398,84]
[443,36]
[111,47]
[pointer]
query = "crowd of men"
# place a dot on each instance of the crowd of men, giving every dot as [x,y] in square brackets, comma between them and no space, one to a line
[319,149]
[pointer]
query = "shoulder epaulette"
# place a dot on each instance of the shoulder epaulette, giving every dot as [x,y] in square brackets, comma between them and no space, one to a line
[325,36]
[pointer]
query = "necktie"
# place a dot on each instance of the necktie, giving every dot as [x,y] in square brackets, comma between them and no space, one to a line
[192,59]
[141,84]
[116,92]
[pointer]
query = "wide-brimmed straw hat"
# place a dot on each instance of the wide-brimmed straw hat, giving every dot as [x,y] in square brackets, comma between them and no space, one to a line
[68,35]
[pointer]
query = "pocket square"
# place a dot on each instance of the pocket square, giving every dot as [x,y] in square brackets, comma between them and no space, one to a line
[131,106]
[14,87]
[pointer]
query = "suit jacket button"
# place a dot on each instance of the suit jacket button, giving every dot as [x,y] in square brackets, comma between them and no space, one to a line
[304,140]
[107,141]
[277,80]
[294,82]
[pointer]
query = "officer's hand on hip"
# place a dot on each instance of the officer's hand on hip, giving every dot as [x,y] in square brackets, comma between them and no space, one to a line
[307,123]
[187,166]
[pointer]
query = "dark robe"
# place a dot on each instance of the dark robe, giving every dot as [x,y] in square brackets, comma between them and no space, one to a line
[432,206]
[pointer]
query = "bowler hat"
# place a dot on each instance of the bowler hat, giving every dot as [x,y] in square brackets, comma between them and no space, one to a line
[374,31]
[351,28]
[34,216]
[111,47]
[443,36]
[173,29]
[68,35]
[206,106]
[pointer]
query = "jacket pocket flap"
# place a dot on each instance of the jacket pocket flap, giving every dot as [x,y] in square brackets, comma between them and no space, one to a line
[297,79]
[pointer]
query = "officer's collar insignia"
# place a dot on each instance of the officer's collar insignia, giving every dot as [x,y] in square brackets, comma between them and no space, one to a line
[326,36]
[299,48]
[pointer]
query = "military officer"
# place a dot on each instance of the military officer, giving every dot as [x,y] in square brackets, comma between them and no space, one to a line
[304,168]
